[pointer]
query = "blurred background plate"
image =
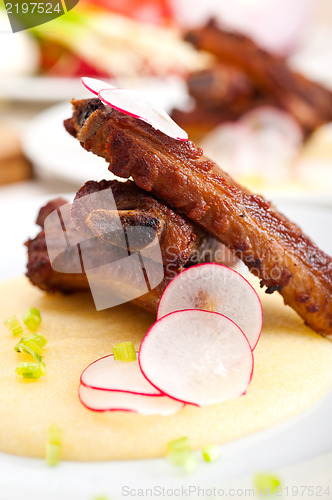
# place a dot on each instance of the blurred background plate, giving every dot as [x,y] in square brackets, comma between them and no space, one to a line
[55,154]
[39,88]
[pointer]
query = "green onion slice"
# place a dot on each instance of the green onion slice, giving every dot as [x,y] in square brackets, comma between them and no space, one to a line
[266,484]
[53,452]
[211,453]
[35,312]
[33,344]
[124,352]
[180,444]
[55,435]
[53,447]
[13,325]
[180,454]
[31,370]
[178,457]
[35,340]
[23,348]
[32,319]
[185,459]
[190,464]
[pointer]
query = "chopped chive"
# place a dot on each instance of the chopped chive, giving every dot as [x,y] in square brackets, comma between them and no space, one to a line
[184,458]
[266,484]
[32,319]
[31,370]
[53,452]
[53,447]
[13,325]
[32,344]
[37,338]
[180,454]
[34,341]
[23,348]
[190,464]
[124,352]
[180,444]
[211,453]
[35,312]
[35,347]
[55,435]
[179,457]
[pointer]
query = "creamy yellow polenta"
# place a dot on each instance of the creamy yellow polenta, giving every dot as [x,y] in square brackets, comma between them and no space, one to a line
[292,372]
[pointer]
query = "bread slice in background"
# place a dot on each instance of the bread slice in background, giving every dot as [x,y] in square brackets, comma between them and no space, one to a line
[14,167]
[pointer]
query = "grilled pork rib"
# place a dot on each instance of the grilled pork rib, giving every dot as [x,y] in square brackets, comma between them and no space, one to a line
[177,173]
[221,94]
[182,243]
[307,101]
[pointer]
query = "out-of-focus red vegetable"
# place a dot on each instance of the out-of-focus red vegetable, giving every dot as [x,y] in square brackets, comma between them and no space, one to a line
[58,60]
[149,11]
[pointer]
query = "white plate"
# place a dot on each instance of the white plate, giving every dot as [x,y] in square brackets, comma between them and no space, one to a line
[55,153]
[301,438]
[54,89]
[39,88]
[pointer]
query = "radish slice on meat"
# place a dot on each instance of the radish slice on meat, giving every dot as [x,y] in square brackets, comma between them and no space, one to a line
[197,357]
[111,375]
[133,103]
[101,400]
[94,85]
[216,288]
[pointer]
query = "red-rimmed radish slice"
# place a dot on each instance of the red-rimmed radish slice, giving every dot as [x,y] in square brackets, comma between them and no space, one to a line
[111,375]
[100,400]
[94,85]
[216,288]
[197,357]
[133,103]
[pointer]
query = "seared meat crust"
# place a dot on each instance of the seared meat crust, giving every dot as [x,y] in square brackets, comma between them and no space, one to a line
[39,269]
[182,243]
[177,173]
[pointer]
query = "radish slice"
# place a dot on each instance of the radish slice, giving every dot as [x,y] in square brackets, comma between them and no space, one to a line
[197,357]
[94,85]
[100,400]
[133,103]
[216,288]
[275,125]
[111,375]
